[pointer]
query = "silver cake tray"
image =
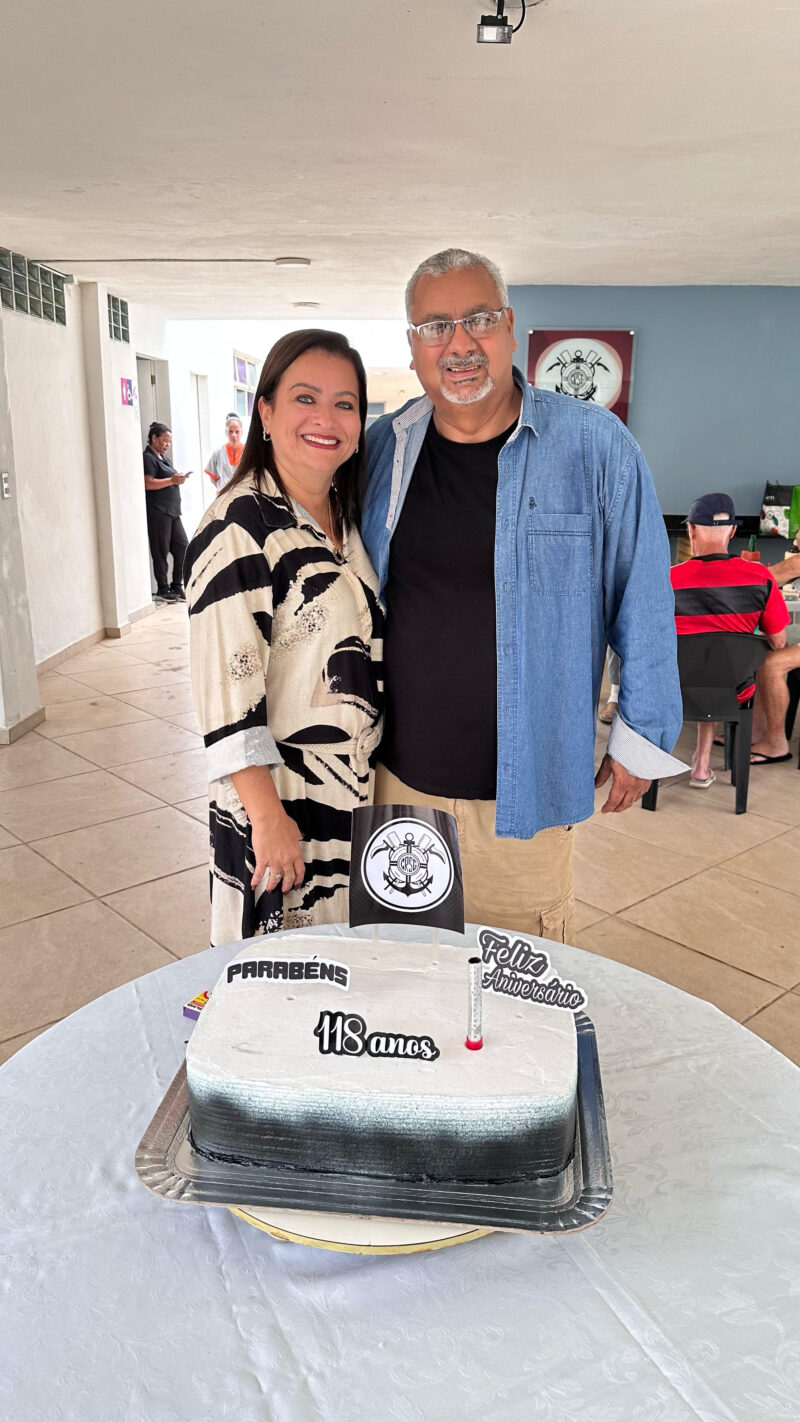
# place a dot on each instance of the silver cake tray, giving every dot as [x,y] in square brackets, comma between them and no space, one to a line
[169,1166]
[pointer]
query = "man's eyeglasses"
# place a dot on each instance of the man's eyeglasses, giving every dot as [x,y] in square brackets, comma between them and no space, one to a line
[438,333]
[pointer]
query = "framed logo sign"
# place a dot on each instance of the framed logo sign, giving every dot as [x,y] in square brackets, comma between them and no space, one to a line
[596,366]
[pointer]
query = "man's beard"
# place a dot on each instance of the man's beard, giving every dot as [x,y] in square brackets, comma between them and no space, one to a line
[471,396]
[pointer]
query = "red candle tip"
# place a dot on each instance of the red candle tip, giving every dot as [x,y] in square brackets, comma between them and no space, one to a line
[473,1046]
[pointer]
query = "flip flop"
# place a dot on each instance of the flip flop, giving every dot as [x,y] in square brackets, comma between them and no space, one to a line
[769,759]
[607,713]
[719,741]
[702,784]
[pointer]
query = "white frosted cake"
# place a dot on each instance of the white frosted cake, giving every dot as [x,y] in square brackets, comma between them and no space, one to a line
[289,1069]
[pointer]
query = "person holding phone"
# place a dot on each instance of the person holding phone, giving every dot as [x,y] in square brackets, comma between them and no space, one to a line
[165,530]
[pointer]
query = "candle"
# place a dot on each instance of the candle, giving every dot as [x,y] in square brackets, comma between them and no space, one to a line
[474,1040]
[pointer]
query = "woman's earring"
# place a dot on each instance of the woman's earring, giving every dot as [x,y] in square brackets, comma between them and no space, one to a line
[357,448]
[266,434]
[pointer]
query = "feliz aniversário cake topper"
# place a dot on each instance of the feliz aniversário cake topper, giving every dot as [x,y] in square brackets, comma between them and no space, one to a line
[517,967]
[405,867]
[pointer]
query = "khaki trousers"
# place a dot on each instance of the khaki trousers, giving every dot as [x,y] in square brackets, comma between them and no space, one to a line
[508,883]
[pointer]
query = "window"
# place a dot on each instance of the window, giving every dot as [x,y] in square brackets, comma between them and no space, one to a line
[245,379]
[118,328]
[25,286]
[375,408]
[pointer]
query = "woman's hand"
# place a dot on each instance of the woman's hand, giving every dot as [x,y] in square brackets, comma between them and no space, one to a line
[276,845]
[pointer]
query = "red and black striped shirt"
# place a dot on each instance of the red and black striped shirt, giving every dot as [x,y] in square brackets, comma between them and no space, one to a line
[720,592]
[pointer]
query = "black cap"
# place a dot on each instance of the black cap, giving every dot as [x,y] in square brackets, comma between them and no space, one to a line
[713,511]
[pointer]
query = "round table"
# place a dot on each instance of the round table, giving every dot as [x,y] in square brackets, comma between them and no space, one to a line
[681,1304]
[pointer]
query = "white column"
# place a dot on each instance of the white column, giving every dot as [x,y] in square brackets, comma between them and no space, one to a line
[20,707]
[111,542]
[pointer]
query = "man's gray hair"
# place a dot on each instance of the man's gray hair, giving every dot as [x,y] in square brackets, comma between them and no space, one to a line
[455,259]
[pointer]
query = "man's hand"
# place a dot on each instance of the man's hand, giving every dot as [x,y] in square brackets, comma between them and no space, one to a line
[626,789]
[787,571]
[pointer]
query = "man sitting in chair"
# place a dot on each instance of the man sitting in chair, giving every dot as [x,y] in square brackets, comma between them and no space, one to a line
[716,591]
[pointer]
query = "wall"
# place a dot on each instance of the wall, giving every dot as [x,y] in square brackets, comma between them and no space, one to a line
[715,402]
[125,439]
[20,708]
[47,392]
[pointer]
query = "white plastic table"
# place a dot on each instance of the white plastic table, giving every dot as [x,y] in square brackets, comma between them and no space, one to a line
[682,1303]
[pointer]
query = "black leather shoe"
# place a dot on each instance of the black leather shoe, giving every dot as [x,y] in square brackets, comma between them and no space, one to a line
[167,596]
[178,594]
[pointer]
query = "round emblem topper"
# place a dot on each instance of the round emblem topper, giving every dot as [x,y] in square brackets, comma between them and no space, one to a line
[407,866]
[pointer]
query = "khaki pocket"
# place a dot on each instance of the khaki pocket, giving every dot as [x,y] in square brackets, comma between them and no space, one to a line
[557,922]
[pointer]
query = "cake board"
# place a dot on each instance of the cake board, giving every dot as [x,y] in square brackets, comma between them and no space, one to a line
[168,1165]
[357,1234]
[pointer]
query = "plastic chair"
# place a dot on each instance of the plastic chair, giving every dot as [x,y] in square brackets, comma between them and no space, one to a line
[711,665]
[793,686]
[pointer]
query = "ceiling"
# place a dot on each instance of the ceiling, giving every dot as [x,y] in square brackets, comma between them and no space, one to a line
[613,142]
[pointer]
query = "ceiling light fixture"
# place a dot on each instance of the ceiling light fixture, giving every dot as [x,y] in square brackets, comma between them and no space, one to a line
[306,305]
[496,29]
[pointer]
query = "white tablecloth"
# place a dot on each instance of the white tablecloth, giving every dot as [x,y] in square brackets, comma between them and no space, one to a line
[682,1303]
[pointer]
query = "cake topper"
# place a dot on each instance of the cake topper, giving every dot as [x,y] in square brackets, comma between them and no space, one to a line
[405,867]
[521,968]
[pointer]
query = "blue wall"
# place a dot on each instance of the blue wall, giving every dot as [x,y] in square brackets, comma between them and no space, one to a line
[716,382]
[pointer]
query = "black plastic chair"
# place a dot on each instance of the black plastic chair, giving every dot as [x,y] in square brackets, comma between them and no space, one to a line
[793,685]
[711,665]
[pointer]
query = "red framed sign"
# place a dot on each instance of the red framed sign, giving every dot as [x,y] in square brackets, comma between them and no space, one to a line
[590,365]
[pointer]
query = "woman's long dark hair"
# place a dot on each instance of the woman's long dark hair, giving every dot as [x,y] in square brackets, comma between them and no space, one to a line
[258,457]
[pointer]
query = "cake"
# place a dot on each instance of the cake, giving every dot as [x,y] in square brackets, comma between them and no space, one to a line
[340,1055]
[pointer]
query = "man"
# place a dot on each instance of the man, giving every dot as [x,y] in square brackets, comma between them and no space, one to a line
[515,532]
[770,745]
[717,592]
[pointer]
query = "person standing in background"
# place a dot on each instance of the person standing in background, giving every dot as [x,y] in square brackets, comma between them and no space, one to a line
[224,462]
[164,528]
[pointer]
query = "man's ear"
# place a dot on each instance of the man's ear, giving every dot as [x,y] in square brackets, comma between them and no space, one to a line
[510,320]
[411,364]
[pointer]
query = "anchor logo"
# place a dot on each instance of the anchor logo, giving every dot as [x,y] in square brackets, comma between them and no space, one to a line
[407,859]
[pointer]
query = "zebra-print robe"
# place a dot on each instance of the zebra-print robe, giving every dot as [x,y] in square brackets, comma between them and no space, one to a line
[286,645]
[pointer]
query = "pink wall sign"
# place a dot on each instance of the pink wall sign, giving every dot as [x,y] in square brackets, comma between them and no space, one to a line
[127,391]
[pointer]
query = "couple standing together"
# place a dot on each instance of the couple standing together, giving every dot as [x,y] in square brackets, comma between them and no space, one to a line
[510,534]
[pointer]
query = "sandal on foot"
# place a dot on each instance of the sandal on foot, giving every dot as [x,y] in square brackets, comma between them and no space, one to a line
[702,784]
[758,759]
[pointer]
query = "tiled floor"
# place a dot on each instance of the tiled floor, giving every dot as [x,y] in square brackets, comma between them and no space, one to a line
[103,856]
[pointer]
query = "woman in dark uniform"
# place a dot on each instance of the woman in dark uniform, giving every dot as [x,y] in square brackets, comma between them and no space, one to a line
[164,528]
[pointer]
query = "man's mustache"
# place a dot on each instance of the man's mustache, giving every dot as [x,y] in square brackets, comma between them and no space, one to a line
[463,362]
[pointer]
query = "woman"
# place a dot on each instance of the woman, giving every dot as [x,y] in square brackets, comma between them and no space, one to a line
[224,462]
[286,642]
[165,531]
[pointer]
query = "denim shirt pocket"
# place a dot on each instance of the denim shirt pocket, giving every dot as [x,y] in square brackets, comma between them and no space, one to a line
[560,553]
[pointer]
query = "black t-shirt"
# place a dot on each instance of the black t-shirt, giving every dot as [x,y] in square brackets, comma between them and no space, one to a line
[440,645]
[168,499]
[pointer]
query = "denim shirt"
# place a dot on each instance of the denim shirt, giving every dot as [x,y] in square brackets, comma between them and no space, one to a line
[581,560]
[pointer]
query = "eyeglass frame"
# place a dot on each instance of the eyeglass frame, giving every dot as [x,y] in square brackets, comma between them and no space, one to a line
[456,321]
